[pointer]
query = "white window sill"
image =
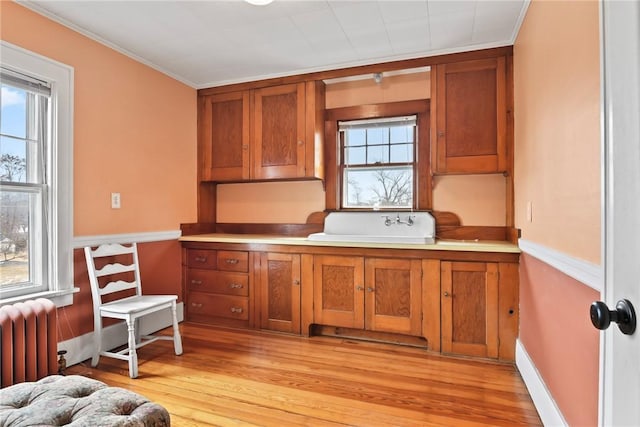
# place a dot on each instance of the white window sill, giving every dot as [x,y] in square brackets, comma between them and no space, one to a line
[61,298]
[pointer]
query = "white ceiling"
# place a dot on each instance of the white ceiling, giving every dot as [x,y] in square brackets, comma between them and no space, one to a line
[215,42]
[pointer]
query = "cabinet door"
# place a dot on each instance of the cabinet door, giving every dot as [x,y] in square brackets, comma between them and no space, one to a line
[470,117]
[470,308]
[224,139]
[280,292]
[338,287]
[278,132]
[393,295]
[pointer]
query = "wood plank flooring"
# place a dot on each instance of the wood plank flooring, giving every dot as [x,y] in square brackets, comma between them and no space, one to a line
[243,378]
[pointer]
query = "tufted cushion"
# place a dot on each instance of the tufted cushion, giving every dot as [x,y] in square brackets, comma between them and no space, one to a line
[76,401]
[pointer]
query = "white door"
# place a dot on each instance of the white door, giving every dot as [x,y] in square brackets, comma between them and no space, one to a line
[620,376]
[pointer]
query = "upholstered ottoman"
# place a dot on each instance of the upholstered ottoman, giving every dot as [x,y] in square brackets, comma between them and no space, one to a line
[76,401]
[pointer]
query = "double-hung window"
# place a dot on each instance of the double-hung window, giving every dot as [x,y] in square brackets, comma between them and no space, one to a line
[35,176]
[24,136]
[378,162]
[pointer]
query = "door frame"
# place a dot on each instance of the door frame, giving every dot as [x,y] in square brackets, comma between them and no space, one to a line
[620,112]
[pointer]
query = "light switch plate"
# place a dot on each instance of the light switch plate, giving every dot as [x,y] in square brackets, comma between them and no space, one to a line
[115,200]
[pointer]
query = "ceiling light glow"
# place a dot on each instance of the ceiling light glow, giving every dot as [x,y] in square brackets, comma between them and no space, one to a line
[259,2]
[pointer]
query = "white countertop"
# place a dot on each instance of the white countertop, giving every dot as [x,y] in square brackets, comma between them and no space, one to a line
[440,245]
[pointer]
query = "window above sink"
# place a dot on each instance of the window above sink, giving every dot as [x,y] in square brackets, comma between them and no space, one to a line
[377,162]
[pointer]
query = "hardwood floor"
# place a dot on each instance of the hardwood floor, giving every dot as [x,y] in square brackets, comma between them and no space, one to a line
[241,378]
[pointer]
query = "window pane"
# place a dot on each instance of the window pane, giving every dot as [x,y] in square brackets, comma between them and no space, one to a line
[378,154]
[378,187]
[402,153]
[401,134]
[355,155]
[13,160]
[378,135]
[14,237]
[13,118]
[355,137]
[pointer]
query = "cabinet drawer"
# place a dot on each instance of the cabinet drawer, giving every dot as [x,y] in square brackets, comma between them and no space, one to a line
[218,282]
[200,258]
[233,261]
[230,307]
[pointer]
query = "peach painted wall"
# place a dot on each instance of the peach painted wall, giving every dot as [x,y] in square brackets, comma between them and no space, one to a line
[558,336]
[557,168]
[269,202]
[393,88]
[134,133]
[477,200]
[557,127]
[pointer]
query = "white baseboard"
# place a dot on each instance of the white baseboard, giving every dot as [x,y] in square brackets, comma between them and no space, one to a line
[81,348]
[542,399]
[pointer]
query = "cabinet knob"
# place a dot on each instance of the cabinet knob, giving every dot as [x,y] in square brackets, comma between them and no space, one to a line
[193,304]
[235,286]
[440,133]
[236,309]
[232,261]
[201,259]
[300,142]
[196,282]
[446,294]
[370,289]
[359,288]
[296,282]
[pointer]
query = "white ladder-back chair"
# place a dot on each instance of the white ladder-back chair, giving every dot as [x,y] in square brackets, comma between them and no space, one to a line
[129,308]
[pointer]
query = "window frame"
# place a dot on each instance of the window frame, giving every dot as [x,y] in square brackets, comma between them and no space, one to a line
[422,168]
[343,166]
[59,251]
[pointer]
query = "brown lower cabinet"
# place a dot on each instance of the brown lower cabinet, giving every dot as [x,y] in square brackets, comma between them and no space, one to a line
[217,284]
[375,294]
[469,308]
[466,307]
[279,289]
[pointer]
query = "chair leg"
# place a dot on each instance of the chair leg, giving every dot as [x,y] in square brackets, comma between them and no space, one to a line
[137,331]
[133,356]
[97,343]
[177,339]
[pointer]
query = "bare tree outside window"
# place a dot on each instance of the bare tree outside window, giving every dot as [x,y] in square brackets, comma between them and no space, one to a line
[14,221]
[393,189]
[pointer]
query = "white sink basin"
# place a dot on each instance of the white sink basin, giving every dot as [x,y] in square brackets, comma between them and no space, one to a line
[358,238]
[378,227]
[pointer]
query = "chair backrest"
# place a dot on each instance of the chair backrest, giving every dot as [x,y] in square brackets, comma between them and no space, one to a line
[114,254]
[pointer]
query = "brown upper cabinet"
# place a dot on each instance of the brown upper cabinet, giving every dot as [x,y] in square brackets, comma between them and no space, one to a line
[269,133]
[224,137]
[469,117]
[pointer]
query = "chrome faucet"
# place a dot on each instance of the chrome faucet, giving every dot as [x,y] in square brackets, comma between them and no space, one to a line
[397,220]
[408,222]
